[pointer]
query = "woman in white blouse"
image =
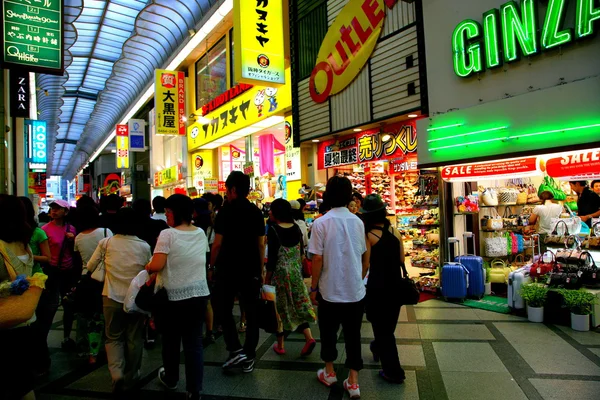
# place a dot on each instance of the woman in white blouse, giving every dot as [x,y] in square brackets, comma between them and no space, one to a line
[180,260]
[125,255]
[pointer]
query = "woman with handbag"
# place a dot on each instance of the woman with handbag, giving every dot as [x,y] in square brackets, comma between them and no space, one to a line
[90,319]
[386,254]
[16,258]
[180,261]
[544,215]
[122,256]
[284,269]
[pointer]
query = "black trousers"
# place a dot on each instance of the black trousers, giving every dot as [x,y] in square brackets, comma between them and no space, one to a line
[45,312]
[249,291]
[383,312]
[349,316]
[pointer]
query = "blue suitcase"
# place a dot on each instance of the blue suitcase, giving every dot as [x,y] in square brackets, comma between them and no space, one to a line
[473,264]
[455,278]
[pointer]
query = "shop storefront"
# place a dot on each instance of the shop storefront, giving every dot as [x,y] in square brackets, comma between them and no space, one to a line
[516,123]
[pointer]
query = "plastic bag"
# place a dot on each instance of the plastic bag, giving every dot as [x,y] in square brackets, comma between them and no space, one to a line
[129,304]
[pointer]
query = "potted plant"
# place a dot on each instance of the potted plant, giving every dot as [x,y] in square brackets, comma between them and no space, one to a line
[488,284]
[535,295]
[580,303]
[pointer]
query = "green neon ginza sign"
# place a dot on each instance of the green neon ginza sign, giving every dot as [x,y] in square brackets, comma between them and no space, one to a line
[510,31]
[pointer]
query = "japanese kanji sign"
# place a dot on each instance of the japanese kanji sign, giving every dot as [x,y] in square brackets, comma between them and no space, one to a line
[258,32]
[32,35]
[168,176]
[122,147]
[252,106]
[369,146]
[293,169]
[169,102]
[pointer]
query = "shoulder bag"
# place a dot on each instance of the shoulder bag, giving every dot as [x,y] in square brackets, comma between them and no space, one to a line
[99,273]
[408,290]
[555,237]
[541,268]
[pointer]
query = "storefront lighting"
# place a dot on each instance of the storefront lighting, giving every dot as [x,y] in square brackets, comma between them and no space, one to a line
[468,134]
[439,128]
[412,115]
[555,131]
[315,140]
[113,151]
[466,144]
[357,130]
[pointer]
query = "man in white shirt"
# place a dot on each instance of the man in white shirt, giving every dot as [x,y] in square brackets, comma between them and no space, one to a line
[158,204]
[340,263]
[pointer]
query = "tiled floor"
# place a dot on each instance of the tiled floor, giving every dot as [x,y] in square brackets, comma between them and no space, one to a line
[448,351]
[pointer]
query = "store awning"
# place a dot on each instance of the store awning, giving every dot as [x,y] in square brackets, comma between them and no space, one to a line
[112,48]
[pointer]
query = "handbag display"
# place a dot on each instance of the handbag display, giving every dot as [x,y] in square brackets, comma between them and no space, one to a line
[510,220]
[593,240]
[495,246]
[541,267]
[551,186]
[408,289]
[18,308]
[495,222]
[572,224]
[532,196]
[522,197]
[507,196]
[489,197]
[554,237]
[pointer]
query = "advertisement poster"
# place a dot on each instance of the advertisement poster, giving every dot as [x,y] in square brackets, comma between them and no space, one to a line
[169,102]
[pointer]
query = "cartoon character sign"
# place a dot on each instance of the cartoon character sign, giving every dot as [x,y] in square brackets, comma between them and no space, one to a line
[259,99]
[271,92]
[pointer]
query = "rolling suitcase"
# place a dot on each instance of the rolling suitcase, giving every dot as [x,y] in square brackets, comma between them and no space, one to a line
[517,278]
[455,277]
[474,265]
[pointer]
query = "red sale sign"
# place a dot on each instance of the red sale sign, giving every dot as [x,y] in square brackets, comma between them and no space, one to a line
[491,170]
[580,165]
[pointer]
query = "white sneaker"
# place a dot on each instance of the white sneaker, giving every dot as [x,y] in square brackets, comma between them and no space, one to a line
[353,390]
[325,378]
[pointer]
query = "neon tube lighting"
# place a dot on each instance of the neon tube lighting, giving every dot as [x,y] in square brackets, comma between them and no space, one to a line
[555,131]
[467,134]
[466,144]
[443,127]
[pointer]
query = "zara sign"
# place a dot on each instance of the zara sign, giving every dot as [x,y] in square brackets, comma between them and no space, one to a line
[514,30]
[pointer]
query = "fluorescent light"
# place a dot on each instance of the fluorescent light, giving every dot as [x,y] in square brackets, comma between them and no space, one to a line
[113,151]
[439,128]
[555,131]
[467,134]
[412,115]
[315,140]
[466,144]
[357,130]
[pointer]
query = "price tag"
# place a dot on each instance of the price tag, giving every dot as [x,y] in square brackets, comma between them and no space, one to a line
[539,270]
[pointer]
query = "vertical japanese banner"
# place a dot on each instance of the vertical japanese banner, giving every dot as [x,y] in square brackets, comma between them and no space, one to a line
[169,102]
[292,154]
[259,33]
[122,146]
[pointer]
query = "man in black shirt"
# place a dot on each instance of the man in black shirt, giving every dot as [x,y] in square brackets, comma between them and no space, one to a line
[238,255]
[588,202]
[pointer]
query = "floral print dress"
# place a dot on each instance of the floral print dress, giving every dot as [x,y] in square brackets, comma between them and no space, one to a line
[292,300]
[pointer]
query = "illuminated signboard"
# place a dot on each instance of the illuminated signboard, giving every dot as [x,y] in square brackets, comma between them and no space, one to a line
[122,146]
[169,101]
[513,30]
[37,152]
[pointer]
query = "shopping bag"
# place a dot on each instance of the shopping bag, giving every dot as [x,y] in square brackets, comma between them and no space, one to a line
[267,315]
[134,288]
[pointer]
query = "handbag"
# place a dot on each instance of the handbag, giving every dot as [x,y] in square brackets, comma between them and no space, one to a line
[532,196]
[540,267]
[468,202]
[17,309]
[550,185]
[99,273]
[507,196]
[306,268]
[136,284]
[554,236]
[407,289]
[494,223]
[489,197]
[499,272]
[267,315]
[149,298]
[495,246]
[522,197]
[509,220]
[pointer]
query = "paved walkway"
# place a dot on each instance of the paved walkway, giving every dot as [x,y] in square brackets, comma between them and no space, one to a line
[449,352]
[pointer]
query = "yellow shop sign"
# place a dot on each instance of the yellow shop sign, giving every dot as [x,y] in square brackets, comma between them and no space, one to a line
[168,176]
[259,35]
[253,106]
[347,47]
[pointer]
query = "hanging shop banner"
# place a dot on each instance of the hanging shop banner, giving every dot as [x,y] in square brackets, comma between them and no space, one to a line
[347,47]
[259,36]
[368,146]
[580,165]
[32,35]
[521,167]
[211,185]
[292,154]
[122,147]
[402,165]
[137,135]
[168,176]
[254,105]
[169,102]
[36,183]
[37,152]
[19,94]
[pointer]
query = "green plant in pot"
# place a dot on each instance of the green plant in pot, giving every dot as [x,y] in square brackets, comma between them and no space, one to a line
[581,304]
[535,295]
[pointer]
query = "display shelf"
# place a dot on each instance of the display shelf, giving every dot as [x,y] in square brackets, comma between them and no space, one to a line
[434,225]
[467,213]
[502,230]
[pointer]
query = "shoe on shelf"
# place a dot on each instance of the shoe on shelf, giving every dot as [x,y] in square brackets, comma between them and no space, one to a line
[397,381]
[161,377]
[353,390]
[308,348]
[325,378]
[278,350]
[248,365]
[235,359]
[68,344]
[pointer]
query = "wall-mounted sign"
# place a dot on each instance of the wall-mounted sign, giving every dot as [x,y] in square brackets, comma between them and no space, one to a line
[368,146]
[512,31]
[259,36]
[526,166]
[225,97]
[211,185]
[32,35]
[19,94]
[137,135]
[36,182]
[347,47]
[580,165]
[168,176]
[169,102]
[122,139]
[37,151]
[253,106]
[292,154]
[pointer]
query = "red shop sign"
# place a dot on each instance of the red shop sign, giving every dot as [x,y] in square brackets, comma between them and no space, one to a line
[222,187]
[495,170]
[579,165]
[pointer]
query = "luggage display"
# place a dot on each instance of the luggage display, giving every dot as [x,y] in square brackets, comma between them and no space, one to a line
[455,277]
[517,278]
[473,264]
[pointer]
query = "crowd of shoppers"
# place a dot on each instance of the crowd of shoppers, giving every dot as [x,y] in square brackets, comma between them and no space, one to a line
[201,255]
